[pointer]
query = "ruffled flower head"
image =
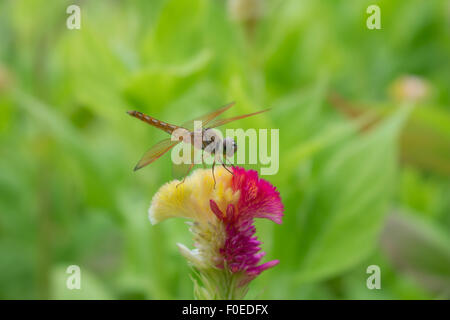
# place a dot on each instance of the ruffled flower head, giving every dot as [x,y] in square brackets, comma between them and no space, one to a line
[227,253]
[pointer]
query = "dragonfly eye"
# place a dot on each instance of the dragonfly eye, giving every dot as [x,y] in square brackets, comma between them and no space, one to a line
[229,147]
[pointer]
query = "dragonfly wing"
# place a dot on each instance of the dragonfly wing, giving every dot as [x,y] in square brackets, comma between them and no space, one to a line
[194,155]
[207,117]
[221,122]
[155,152]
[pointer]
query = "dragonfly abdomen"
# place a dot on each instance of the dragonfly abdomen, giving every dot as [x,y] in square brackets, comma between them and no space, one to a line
[169,128]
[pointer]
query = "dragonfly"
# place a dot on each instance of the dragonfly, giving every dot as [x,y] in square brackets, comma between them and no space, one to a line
[208,121]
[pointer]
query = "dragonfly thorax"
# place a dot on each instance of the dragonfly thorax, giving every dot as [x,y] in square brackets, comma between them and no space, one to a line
[229,147]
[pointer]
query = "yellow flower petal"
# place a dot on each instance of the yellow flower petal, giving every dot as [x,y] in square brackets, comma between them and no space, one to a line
[191,198]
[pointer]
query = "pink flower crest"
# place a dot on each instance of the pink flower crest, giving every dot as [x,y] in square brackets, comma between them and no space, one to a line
[258,199]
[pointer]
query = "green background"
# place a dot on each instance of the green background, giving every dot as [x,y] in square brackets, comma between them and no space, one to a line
[364,168]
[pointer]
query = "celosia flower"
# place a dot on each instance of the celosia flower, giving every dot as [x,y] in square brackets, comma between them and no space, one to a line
[227,253]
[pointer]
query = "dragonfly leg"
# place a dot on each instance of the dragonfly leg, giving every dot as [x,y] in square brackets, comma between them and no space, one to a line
[203,162]
[229,164]
[223,165]
[187,173]
[212,169]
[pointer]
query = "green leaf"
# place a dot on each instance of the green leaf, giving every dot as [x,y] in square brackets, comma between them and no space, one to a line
[158,85]
[177,33]
[419,249]
[343,212]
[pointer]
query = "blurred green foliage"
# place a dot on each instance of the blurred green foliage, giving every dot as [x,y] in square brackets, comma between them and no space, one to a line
[68,194]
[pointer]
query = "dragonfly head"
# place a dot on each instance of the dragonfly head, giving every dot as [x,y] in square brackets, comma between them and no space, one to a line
[229,147]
